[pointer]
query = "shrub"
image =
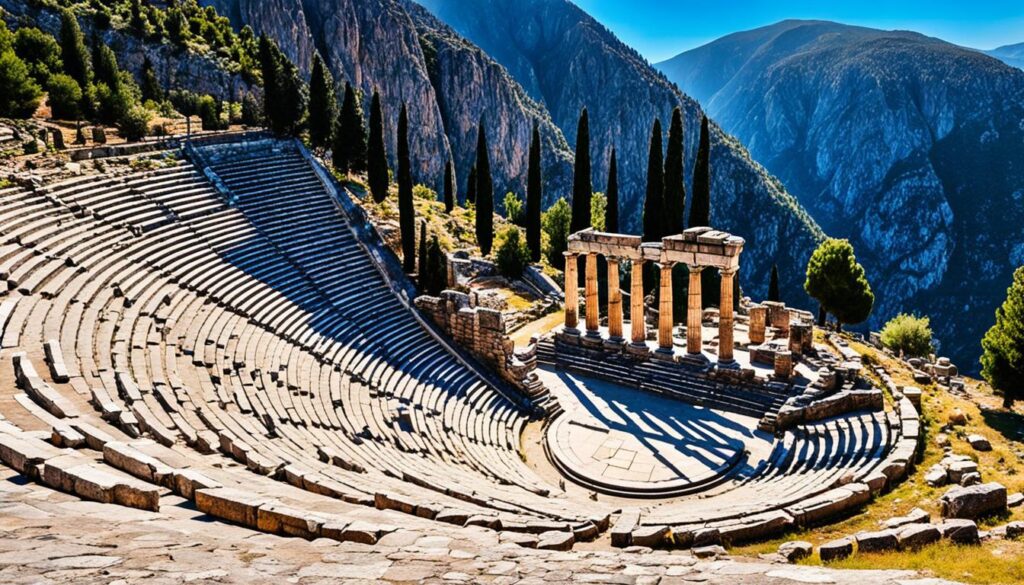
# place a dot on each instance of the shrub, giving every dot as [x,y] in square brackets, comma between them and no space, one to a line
[424,192]
[598,205]
[134,124]
[31,147]
[555,223]
[513,208]
[512,254]
[908,334]
[65,97]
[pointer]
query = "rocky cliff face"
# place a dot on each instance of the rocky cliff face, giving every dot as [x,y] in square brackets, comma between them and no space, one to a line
[566,60]
[909,146]
[410,57]
[173,67]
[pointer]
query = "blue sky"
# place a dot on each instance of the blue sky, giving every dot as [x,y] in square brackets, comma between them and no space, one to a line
[660,29]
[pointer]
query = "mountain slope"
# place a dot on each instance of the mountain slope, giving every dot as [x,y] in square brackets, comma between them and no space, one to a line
[566,60]
[907,145]
[1009,54]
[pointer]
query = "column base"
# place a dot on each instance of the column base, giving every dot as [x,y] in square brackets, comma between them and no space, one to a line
[697,359]
[591,339]
[615,343]
[728,364]
[638,349]
[664,354]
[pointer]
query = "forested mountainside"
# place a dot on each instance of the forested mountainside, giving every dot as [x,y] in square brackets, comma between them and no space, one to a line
[567,60]
[907,145]
[1009,54]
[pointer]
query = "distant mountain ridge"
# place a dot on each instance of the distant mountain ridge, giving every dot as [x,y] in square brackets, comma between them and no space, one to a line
[1009,54]
[909,146]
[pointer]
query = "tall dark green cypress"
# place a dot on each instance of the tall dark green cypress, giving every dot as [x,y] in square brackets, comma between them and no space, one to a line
[773,285]
[270,74]
[421,267]
[471,185]
[348,152]
[449,186]
[406,211]
[151,88]
[611,192]
[582,190]
[675,191]
[377,158]
[322,104]
[484,194]
[534,197]
[283,101]
[654,205]
[73,51]
[700,208]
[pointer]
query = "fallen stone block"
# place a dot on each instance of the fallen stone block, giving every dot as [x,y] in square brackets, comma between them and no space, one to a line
[974,501]
[835,550]
[979,443]
[94,437]
[492,522]
[706,537]
[187,481]
[649,536]
[881,541]
[958,469]
[917,535]
[960,531]
[936,476]
[453,516]
[555,540]
[915,516]
[795,550]
[972,478]
[25,455]
[1014,500]
[231,505]
[1015,530]
[709,552]
[622,531]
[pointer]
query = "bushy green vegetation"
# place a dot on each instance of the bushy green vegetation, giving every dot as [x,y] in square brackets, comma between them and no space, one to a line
[837,281]
[555,222]
[19,92]
[512,254]
[1002,363]
[513,208]
[908,334]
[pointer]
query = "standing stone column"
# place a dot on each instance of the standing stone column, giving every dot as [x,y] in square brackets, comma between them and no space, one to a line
[758,321]
[725,343]
[693,312]
[593,323]
[665,308]
[636,304]
[614,301]
[572,292]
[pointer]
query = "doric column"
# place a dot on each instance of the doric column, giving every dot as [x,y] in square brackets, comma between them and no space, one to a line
[758,321]
[665,308]
[614,300]
[636,304]
[725,344]
[593,313]
[572,302]
[693,312]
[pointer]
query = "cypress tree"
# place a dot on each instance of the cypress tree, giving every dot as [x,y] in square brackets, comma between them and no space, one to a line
[675,191]
[270,73]
[421,267]
[471,185]
[406,211]
[348,152]
[534,197]
[73,52]
[283,99]
[377,163]
[773,285]
[104,65]
[437,268]
[700,207]
[611,210]
[581,186]
[653,201]
[449,186]
[322,104]
[151,88]
[484,194]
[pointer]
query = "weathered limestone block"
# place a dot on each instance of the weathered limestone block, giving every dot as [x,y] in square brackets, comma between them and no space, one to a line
[835,550]
[778,316]
[231,505]
[1014,500]
[917,535]
[187,481]
[277,518]
[622,531]
[555,540]
[915,516]
[974,501]
[801,338]
[784,365]
[881,541]
[134,462]
[795,550]
[1015,530]
[913,393]
[960,531]
[979,443]
[758,322]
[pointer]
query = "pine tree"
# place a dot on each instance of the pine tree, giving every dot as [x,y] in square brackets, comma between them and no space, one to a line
[348,152]
[322,104]
[654,205]
[471,185]
[421,267]
[581,185]
[377,158]
[675,191]
[449,186]
[534,197]
[700,208]
[773,285]
[611,210]
[151,88]
[73,51]
[837,281]
[484,194]
[1002,363]
[406,211]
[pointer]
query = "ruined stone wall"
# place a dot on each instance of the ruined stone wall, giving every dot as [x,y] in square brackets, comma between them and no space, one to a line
[481,331]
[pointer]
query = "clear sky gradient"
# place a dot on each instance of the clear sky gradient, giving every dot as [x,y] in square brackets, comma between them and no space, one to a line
[660,29]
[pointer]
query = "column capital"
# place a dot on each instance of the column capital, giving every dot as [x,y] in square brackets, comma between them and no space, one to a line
[729,271]
[568,254]
[694,268]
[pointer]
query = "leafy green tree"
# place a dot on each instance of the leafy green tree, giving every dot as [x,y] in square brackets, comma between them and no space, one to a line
[581,186]
[611,210]
[837,281]
[556,221]
[39,51]
[73,51]
[19,93]
[449,186]
[64,97]
[513,254]
[534,196]
[513,208]
[1002,363]
[151,88]
[654,203]
[675,191]
[908,334]
[208,110]
[700,208]
[484,194]
[349,147]
[406,210]
[322,104]
[773,285]
[598,210]
[134,124]
[437,268]
[471,185]
[377,153]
